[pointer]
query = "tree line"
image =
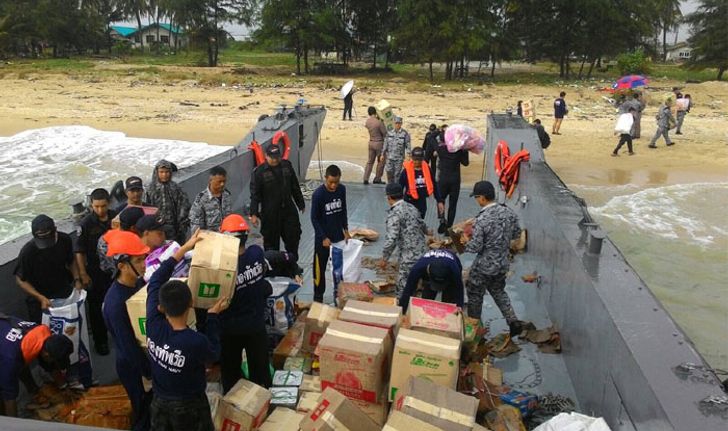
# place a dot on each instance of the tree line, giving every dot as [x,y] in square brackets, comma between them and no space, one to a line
[575,34]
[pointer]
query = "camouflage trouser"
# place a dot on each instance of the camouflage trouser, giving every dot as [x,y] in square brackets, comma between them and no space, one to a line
[661,131]
[393,168]
[495,285]
[404,270]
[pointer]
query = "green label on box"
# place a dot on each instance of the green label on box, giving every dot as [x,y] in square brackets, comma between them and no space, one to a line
[392,392]
[209,290]
[423,361]
[143,326]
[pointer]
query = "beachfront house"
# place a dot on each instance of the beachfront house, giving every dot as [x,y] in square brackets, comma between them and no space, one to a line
[162,33]
[679,52]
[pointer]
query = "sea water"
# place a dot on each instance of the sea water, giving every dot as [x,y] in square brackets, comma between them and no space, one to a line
[676,237]
[45,170]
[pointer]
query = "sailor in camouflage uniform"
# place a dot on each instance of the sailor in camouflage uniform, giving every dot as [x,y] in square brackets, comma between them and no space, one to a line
[405,231]
[172,202]
[396,146]
[211,205]
[494,229]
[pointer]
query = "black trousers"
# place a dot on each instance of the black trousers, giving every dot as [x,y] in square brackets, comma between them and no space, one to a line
[100,282]
[181,415]
[448,295]
[624,138]
[420,204]
[255,345]
[283,225]
[348,106]
[450,190]
[131,379]
[320,259]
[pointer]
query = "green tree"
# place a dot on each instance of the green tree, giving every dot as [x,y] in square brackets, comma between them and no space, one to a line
[709,36]
[419,33]
[135,9]
[206,17]
[669,17]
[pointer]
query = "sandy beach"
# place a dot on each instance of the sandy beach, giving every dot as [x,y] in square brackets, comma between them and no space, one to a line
[220,115]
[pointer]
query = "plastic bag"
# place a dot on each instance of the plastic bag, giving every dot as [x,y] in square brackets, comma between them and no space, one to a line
[462,137]
[154,261]
[573,422]
[280,313]
[65,316]
[344,263]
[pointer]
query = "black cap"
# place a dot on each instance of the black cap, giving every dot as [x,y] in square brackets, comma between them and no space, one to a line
[273,151]
[134,183]
[418,153]
[440,275]
[130,216]
[59,348]
[44,231]
[148,222]
[485,189]
[394,190]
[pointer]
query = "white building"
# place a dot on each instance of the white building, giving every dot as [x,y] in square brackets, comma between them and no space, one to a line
[679,52]
[162,33]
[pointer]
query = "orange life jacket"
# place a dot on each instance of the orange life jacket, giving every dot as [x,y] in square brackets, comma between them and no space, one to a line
[508,167]
[409,167]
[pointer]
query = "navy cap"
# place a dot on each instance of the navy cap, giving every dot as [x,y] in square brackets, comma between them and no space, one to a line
[440,275]
[59,348]
[394,190]
[418,153]
[485,189]
[44,231]
[134,183]
[148,222]
[129,216]
[273,151]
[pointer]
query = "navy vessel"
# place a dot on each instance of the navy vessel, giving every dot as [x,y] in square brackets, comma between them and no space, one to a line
[623,357]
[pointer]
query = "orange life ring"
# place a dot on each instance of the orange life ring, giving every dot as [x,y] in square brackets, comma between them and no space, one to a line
[257,152]
[502,154]
[286,142]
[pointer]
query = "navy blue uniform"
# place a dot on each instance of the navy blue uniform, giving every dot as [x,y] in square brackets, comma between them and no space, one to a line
[131,361]
[421,202]
[559,108]
[11,355]
[453,294]
[178,362]
[243,323]
[329,218]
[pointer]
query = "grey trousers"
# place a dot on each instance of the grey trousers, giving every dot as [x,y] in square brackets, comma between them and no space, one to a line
[680,118]
[661,131]
[495,285]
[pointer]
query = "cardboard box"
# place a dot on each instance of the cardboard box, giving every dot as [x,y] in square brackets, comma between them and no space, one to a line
[284,397]
[335,412]
[429,356]
[529,110]
[243,408]
[290,345]
[308,401]
[399,421]
[353,291]
[524,402]
[287,378]
[437,405]
[214,268]
[136,307]
[385,300]
[282,420]
[311,383]
[435,317]
[376,411]
[384,112]
[317,320]
[368,313]
[298,363]
[354,360]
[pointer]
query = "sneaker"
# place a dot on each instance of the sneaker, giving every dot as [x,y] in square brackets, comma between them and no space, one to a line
[366,182]
[652,146]
[631,153]
[377,182]
[516,328]
[678,133]
[615,155]
[670,144]
[442,228]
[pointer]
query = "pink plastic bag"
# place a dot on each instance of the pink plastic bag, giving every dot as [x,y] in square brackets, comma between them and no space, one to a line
[462,137]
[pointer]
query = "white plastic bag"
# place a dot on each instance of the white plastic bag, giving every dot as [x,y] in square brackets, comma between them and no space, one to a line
[280,313]
[65,316]
[624,124]
[344,263]
[573,422]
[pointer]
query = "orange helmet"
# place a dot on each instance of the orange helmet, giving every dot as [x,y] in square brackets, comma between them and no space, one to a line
[126,243]
[234,223]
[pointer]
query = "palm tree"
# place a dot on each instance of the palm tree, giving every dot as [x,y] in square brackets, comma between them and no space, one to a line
[669,16]
[135,9]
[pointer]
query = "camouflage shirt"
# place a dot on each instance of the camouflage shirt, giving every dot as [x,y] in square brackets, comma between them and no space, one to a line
[173,204]
[406,232]
[664,117]
[208,211]
[494,229]
[397,144]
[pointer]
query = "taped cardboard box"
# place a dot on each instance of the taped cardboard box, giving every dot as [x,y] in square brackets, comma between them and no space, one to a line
[385,300]
[384,112]
[376,411]
[318,319]
[287,378]
[282,420]
[243,408]
[308,401]
[399,421]
[430,356]
[368,313]
[335,412]
[354,360]
[311,383]
[284,397]
[290,345]
[298,363]
[353,291]
[437,405]
[136,307]
[214,268]
[435,317]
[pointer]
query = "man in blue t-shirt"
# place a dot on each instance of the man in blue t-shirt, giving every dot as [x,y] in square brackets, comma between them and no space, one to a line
[441,271]
[330,223]
[243,323]
[128,253]
[560,112]
[179,355]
